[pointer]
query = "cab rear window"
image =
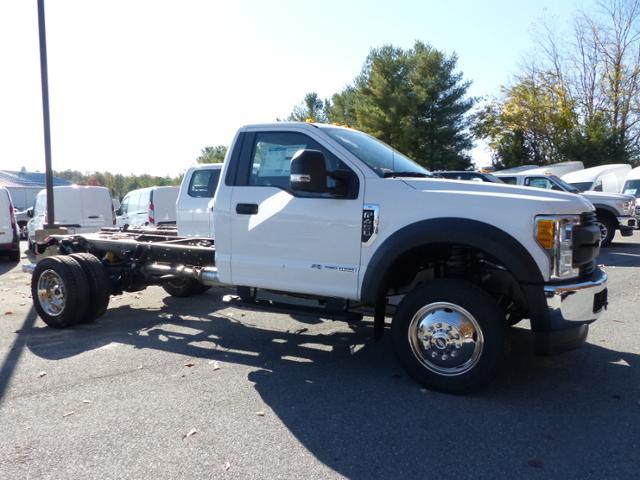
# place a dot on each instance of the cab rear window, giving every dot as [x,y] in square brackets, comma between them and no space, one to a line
[203,183]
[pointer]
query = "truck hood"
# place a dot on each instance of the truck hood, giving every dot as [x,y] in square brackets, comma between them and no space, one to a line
[607,196]
[545,201]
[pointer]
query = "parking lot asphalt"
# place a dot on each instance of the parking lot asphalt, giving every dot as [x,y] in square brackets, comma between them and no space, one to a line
[196,388]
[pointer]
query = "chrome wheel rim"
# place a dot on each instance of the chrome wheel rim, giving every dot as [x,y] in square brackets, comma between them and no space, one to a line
[604,231]
[446,339]
[51,293]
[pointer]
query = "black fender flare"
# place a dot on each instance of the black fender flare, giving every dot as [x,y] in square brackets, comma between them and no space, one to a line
[488,238]
[607,208]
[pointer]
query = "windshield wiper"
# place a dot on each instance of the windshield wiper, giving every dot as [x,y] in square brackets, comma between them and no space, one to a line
[405,174]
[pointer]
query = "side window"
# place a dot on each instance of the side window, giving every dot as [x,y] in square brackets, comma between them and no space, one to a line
[509,180]
[124,206]
[271,155]
[203,183]
[538,182]
[598,186]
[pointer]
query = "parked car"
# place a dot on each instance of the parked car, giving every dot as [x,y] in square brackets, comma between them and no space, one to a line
[196,201]
[603,178]
[153,206]
[9,236]
[473,176]
[614,211]
[80,209]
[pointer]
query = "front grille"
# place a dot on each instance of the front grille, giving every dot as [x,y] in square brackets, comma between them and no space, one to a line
[587,219]
[587,268]
[586,244]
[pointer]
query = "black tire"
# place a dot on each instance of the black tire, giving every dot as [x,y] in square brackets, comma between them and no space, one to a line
[99,285]
[75,291]
[610,224]
[184,287]
[483,362]
[14,256]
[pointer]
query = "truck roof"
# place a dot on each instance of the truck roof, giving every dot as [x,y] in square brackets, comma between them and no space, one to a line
[591,174]
[561,168]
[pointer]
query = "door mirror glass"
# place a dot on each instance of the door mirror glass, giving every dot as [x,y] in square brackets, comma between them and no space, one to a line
[308,172]
[30,212]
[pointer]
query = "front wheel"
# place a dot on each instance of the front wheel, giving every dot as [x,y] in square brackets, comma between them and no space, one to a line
[449,335]
[607,225]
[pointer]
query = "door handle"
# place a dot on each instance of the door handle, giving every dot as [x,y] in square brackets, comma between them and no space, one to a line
[247,208]
[93,217]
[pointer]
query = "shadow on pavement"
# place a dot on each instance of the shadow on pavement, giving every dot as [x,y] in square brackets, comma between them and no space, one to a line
[576,415]
[10,361]
[620,255]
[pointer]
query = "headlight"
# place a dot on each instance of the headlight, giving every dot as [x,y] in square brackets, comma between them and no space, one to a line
[554,233]
[627,206]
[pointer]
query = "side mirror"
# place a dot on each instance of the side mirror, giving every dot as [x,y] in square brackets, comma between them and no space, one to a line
[308,172]
[30,212]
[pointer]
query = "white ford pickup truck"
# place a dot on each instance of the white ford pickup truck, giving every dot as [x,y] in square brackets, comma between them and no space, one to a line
[334,215]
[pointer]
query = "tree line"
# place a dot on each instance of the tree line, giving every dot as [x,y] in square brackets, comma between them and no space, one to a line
[119,185]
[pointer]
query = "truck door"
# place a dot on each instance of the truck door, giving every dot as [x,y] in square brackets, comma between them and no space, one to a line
[285,241]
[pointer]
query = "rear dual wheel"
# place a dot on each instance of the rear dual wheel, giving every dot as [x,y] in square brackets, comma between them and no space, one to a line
[68,290]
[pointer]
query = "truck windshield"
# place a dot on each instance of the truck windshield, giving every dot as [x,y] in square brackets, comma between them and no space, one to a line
[632,187]
[582,186]
[383,159]
[563,185]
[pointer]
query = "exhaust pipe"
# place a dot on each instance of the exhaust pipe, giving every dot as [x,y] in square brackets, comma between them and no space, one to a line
[205,275]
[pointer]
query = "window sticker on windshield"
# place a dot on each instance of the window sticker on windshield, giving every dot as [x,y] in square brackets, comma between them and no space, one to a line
[631,191]
[275,160]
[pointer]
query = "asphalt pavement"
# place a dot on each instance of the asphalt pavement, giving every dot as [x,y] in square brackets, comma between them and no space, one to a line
[200,388]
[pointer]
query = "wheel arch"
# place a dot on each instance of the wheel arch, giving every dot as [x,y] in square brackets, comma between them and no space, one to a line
[471,233]
[607,209]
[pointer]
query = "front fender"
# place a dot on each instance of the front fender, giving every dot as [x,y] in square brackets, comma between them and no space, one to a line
[482,236]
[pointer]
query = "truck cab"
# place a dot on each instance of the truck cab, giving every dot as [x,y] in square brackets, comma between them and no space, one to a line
[194,208]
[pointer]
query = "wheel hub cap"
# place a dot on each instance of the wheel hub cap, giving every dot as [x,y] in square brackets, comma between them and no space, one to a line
[446,338]
[604,231]
[51,293]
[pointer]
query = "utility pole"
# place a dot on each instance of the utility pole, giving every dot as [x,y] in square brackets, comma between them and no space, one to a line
[45,114]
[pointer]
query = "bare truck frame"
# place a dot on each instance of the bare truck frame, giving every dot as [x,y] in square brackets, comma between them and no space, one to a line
[116,261]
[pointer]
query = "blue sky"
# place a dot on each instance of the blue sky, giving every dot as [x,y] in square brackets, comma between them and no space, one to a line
[141,86]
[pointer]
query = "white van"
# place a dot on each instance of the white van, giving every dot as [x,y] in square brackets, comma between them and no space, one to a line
[153,206]
[196,200]
[9,240]
[80,209]
[603,178]
[558,169]
[632,183]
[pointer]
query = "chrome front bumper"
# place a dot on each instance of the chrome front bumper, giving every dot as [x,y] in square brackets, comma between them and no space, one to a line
[578,301]
[628,222]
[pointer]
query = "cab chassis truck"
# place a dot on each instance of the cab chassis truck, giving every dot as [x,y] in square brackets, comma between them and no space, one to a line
[331,214]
